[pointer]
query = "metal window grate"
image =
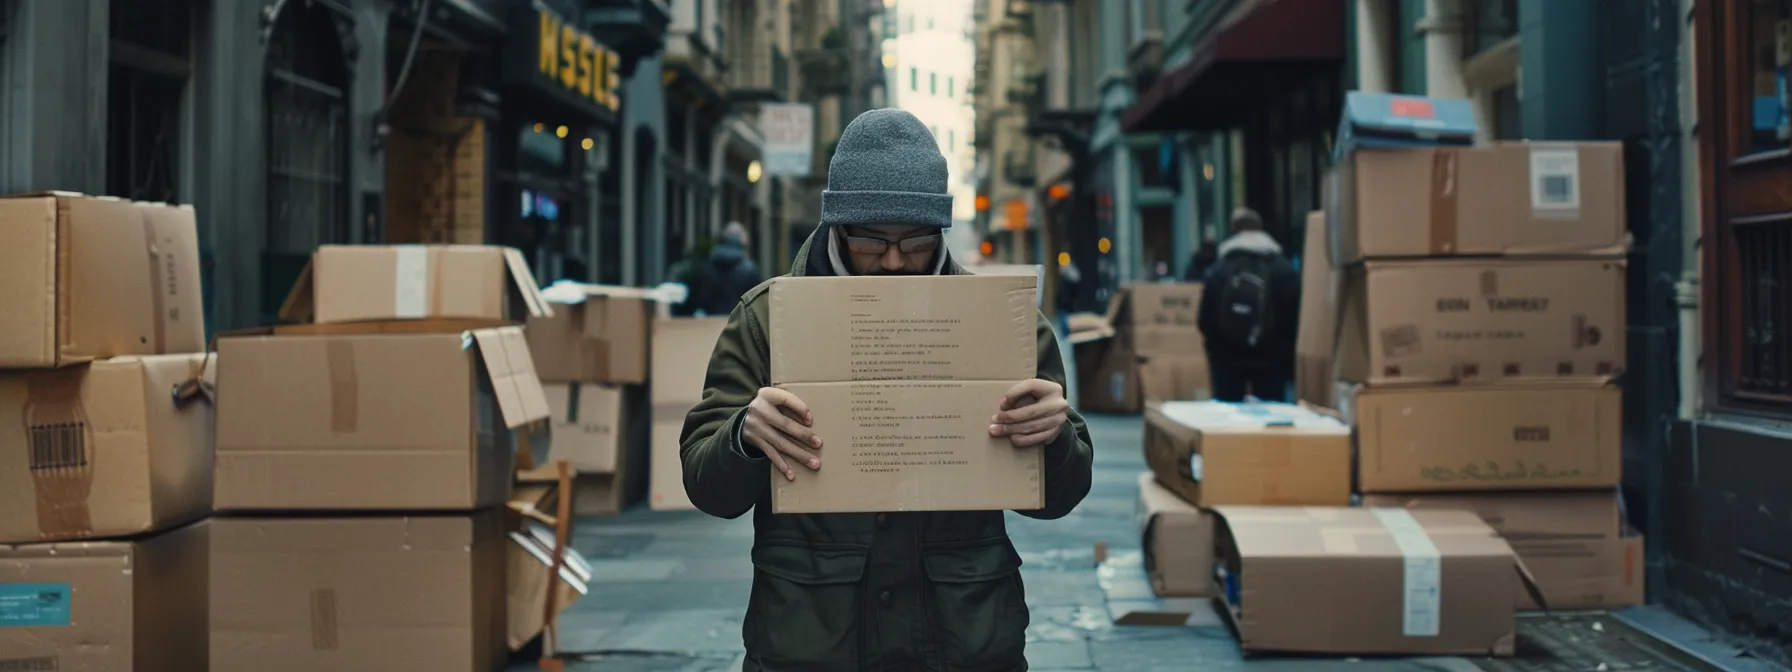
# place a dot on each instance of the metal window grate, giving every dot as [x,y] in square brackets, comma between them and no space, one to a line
[1764,256]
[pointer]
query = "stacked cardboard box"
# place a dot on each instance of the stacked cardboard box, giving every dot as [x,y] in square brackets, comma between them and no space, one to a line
[362,460]
[681,350]
[592,356]
[1147,348]
[105,435]
[1476,327]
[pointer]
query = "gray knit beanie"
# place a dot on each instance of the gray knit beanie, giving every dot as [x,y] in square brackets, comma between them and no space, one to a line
[887,169]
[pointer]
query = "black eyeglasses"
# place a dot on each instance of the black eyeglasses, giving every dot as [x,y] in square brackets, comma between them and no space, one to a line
[911,245]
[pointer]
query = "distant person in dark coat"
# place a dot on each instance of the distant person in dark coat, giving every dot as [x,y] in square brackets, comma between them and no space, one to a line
[1250,314]
[727,276]
[1202,261]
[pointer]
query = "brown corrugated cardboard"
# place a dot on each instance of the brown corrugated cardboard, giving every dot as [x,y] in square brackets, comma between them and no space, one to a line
[106,605]
[585,424]
[1158,319]
[1175,379]
[1474,321]
[382,422]
[965,327]
[372,283]
[91,277]
[529,560]
[681,352]
[307,594]
[902,375]
[599,335]
[1365,581]
[1319,286]
[1507,198]
[1573,542]
[1108,377]
[1214,453]
[1177,539]
[1445,439]
[103,449]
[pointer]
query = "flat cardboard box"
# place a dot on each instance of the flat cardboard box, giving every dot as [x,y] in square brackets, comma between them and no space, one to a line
[1365,581]
[1177,539]
[1035,270]
[1320,283]
[372,422]
[1215,453]
[1481,321]
[85,278]
[1456,439]
[903,375]
[681,351]
[105,449]
[596,334]
[528,566]
[106,605]
[374,283]
[1574,542]
[1157,319]
[1509,198]
[1175,379]
[1390,121]
[362,593]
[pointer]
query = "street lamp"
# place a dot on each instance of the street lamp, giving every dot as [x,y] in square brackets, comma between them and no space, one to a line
[754,171]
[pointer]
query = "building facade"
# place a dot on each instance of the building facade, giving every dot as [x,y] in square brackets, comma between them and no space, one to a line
[930,59]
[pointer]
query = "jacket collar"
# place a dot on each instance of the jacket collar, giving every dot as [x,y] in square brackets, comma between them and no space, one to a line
[1254,242]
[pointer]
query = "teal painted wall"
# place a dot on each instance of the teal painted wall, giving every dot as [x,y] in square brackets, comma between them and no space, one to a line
[1561,66]
[1412,47]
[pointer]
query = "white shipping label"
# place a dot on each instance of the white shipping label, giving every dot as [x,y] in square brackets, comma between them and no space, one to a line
[1422,596]
[1196,465]
[410,285]
[1555,180]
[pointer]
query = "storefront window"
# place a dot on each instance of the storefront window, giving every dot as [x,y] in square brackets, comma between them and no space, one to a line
[1770,64]
[306,112]
[150,67]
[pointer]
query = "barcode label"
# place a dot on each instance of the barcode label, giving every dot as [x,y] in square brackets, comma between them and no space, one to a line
[1555,180]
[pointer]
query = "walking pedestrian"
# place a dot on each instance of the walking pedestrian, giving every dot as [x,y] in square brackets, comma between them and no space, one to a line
[886,591]
[1249,315]
[726,276]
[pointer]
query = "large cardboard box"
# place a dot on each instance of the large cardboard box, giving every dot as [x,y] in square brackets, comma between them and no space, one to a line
[363,593]
[1108,377]
[84,278]
[598,430]
[1518,198]
[126,606]
[1365,581]
[596,334]
[1475,321]
[1178,542]
[903,375]
[681,351]
[1574,543]
[1175,379]
[372,422]
[1214,453]
[114,448]
[1155,319]
[1447,439]
[372,283]
[1320,283]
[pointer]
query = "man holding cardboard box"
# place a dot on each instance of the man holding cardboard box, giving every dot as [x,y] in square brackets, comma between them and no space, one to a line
[918,590]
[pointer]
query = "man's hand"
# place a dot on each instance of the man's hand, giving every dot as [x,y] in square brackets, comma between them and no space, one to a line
[778,425]
[1032,413]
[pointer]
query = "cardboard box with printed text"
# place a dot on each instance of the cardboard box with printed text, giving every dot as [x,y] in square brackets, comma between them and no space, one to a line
[1215,453]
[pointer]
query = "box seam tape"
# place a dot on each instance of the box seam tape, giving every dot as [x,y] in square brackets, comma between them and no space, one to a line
[410,282]
[1421,589]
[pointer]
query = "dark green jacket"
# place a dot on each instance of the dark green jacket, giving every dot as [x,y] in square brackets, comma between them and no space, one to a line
[887,591]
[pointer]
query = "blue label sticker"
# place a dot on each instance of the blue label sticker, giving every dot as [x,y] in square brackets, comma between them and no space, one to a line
[25,605]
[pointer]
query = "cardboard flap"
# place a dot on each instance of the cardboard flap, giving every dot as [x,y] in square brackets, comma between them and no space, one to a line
[524,282]
[300,300]
[1529,581]
[506,357]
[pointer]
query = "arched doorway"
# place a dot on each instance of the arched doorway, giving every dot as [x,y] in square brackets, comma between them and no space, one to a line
[306,115]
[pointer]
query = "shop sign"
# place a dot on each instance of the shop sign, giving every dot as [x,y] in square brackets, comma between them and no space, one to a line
[569,61]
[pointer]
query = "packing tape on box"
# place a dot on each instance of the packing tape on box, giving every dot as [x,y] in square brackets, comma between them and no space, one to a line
[1421,589]
[60,455]
[1444,201]
[158,285]
[345,402]
[324,629]
[410,282]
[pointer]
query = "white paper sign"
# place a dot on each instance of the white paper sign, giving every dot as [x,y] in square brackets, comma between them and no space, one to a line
[789,130]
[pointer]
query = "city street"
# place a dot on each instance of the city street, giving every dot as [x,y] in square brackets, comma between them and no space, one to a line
[668,591]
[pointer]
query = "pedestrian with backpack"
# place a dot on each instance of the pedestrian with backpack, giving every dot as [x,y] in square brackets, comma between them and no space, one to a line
[1250,313]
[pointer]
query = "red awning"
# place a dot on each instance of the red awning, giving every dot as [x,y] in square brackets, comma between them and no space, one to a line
[1264,48]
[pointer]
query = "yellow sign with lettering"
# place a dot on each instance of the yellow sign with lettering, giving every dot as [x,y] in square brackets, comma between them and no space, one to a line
[577,62]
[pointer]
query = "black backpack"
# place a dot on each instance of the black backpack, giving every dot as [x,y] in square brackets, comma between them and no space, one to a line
[1247,311]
